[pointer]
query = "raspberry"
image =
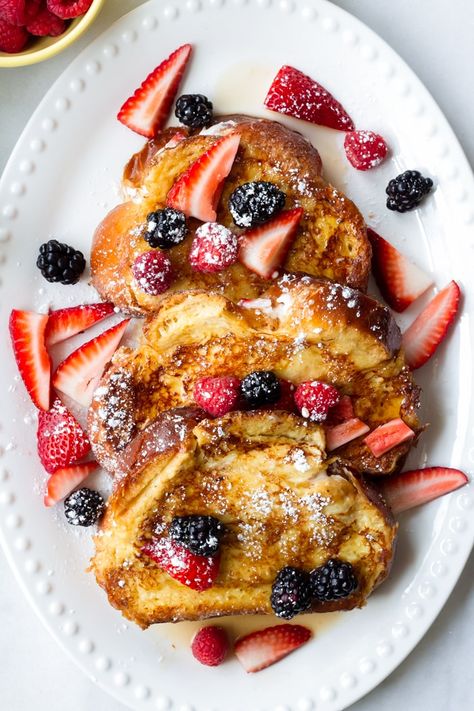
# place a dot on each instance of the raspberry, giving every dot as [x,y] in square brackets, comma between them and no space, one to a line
[61,439]
[364,149]
[66,9]
[217,396]
[12,39]
[286,400]
[45,24]
[210,646]
[214,248]
[314,399]
[153,272]
[19,12]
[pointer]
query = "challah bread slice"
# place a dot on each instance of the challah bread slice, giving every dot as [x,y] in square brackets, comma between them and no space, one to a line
[265,477]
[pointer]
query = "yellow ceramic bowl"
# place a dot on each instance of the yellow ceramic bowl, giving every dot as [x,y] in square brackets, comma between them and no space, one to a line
[40,48]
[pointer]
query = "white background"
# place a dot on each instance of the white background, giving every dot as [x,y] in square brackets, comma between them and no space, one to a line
[435,37]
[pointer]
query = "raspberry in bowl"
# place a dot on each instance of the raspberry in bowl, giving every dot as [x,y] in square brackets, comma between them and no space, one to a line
[34,30]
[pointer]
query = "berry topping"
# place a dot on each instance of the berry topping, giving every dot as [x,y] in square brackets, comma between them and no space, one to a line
[194,110]
[60,438]
[429,329]
[214,248]
[84,507]
[77,376]
[407,190]
[12,38]
[399,280]
[146,112]
[217,396]
[364,149]
[166,228]
[338,435]
[196,571]
[65,323]
[210,646]
[333,580]
[67,9]
[314,399]
[19,12]
[262,387]
[27,331]
[64,480]
[153,272]
[197,191]
[286,401]
[263,249]
[60,262]
[296,94]
[254,203]
[46,24]
[291,593]
[409,489]
[199,534]
[387,436]
[260,649]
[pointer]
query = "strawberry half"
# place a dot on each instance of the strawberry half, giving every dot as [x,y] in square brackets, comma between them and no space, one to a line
[78,374]
[263,249]
[64,480]
[27,331]
[197,191]
[387,436]
[399,280]
[60,438]
[146,112]
[65,323]
[341,434]
[296,94]
[419,486]
[198,572]
[260,649]
[429,329]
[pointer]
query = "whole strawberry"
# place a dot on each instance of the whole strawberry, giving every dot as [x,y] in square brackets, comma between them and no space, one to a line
[61,439]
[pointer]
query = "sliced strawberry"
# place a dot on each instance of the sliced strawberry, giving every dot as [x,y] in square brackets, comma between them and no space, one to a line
[197,191]
[64,480]
[65,323]
[419,486]
[399,280]
[345,432]
[387,436]
[429,329]
[198,572]
[263,249]
[78,374]
[146,112]
[175,139]
[27,333]
[343,411]
[260,649]
[60,438]
[296,94]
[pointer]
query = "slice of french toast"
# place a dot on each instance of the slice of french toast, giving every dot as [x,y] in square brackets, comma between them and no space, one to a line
[265,477]
[331,240]
[302,329]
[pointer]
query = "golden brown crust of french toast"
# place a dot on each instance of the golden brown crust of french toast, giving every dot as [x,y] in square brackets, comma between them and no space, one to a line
[265,477]
[331,240]
[302,329]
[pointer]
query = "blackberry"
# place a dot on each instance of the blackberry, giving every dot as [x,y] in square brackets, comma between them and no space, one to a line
[194,110]
[291,593]
[333,580]
[60,262]
[261,387]
[83,507]
[407,190]
[165,228]
[254,203]
[199,534]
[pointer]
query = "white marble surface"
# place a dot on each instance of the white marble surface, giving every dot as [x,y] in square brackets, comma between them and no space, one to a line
[435,38]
